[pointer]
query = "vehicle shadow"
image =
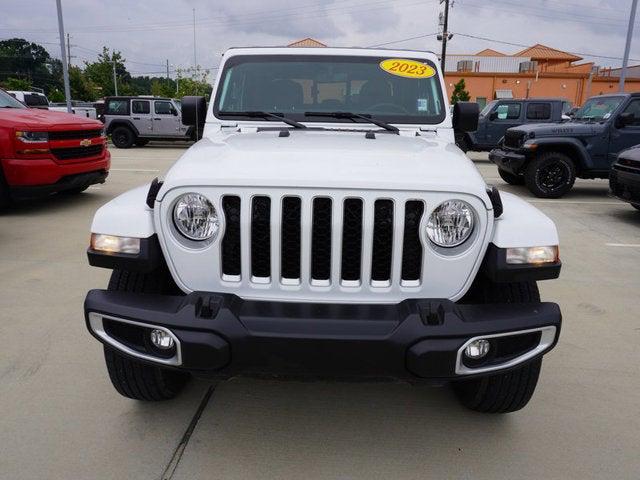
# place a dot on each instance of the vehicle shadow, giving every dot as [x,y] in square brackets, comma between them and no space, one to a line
[56,203]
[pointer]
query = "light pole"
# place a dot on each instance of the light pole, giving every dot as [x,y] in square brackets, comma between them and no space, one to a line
[627,48]
[63,52]
[115,79]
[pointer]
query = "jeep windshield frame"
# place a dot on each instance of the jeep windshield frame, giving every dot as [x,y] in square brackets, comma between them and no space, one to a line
[598,109]
[292,85]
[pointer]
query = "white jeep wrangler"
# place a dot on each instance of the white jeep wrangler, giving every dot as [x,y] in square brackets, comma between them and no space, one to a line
[325,226]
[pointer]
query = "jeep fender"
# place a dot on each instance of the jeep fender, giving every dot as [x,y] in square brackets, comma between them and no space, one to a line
[127,215]
[570,146]
[522,225]
[121,123]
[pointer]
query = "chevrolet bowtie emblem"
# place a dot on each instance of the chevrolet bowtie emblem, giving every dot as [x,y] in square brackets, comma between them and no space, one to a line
[85,143]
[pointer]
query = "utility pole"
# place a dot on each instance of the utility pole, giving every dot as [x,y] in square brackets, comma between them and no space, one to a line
[63,52]
[195,58]
[627,48]
[115,79]
[168,72]
[445,34]
[68,51]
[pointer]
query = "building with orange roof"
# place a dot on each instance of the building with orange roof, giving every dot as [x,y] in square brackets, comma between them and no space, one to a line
[307,42]
[536,71]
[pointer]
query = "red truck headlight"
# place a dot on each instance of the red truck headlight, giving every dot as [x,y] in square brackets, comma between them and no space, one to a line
[31,144]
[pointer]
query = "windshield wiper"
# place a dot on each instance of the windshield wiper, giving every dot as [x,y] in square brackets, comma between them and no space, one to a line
[259,114]
[353,116]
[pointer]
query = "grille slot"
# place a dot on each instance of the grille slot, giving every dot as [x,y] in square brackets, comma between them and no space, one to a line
[231,240]
[411,245]
[382,241]
[260,237]
[74,134]
[321,240]
[514,138]
[352,239]
[290,241]
[77,152]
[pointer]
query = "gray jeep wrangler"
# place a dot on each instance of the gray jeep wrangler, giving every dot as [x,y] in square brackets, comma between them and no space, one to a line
[136,120]
[548,157]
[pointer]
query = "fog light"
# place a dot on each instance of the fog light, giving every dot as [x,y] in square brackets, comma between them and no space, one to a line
[161,339]
[477,349]
[114,244]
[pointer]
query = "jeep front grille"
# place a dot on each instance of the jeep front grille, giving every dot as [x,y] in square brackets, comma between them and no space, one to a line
[514,138]
[322,245]
[361,254]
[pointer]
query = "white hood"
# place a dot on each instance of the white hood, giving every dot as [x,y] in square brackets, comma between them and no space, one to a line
[327,159]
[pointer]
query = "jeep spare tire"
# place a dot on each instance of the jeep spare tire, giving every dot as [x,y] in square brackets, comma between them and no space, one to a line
[123,137]
[550,175]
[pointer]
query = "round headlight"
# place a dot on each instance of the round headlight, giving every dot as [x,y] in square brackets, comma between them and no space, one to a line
[195,217]
[450,224]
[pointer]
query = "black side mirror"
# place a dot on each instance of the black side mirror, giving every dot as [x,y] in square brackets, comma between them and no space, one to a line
[465,116]
[174,112]
[625,119]
[194,112]
[493,116]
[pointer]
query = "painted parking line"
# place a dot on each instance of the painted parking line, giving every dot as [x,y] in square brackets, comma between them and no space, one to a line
[151,170]
[624,245]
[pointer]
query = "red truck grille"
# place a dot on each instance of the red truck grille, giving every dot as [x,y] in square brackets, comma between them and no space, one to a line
[74,134]
[77,152]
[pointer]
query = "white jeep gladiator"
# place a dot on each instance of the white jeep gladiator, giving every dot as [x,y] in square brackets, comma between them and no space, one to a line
[326,226]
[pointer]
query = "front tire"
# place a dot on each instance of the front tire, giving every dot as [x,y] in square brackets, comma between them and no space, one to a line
[123,137]
[511,178]
[133,378]
[550,175]
[502,392]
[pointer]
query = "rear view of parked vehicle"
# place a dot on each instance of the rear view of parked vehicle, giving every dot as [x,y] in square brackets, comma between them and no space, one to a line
[136,120]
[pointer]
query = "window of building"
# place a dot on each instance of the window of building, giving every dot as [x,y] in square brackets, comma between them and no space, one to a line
[141,107]
[539,111]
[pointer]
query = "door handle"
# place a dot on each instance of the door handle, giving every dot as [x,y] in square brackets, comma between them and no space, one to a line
[157,118]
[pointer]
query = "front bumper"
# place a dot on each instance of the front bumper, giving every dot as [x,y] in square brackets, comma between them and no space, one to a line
[70,182]
[625,184]
[509,161]
[223,335]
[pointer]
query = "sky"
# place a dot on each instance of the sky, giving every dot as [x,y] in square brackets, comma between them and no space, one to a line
[150,32]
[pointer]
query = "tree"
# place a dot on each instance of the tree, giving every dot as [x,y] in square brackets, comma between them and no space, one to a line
[12,83]
[196,84]
[100,73]
[30,62]
[459,93]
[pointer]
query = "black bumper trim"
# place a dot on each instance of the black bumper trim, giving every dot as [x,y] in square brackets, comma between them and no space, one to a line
[509,161]
[223,335]
[625,185]
[69,182]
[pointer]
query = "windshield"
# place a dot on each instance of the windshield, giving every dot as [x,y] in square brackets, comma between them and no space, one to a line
[485,111]
[598,109]
[7,101]
[294,84]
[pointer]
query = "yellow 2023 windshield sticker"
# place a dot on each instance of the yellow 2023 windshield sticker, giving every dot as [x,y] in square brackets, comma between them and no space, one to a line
[407,68]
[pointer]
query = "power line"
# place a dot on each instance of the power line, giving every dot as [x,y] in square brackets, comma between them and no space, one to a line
[403,40]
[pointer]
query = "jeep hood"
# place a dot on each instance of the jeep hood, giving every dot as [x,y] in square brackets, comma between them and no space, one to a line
[327,159]
[561,129]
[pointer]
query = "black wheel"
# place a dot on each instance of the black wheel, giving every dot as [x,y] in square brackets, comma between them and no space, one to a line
[123,137]
[133,378]
[503,392]
[550,175]
[141,142]
[511,178]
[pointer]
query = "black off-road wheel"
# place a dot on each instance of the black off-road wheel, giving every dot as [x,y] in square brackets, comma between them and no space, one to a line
[133,378]
[550,175]
[503,392]
[511,178]
[123,137]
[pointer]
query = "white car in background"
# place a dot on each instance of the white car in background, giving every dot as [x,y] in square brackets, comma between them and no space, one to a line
[34,99]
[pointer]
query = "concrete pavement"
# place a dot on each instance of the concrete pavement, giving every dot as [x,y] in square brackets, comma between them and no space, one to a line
[61,418]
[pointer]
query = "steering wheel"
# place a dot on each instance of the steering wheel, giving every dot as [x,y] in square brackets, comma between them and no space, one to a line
[393,106]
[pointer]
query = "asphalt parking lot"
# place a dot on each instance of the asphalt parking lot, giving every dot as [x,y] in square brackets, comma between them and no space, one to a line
[61,418]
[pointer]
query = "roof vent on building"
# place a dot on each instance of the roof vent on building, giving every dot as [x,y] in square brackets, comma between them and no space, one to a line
[465,66]
[530,66]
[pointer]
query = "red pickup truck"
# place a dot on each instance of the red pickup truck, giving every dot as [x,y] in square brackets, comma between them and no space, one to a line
[43,152]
